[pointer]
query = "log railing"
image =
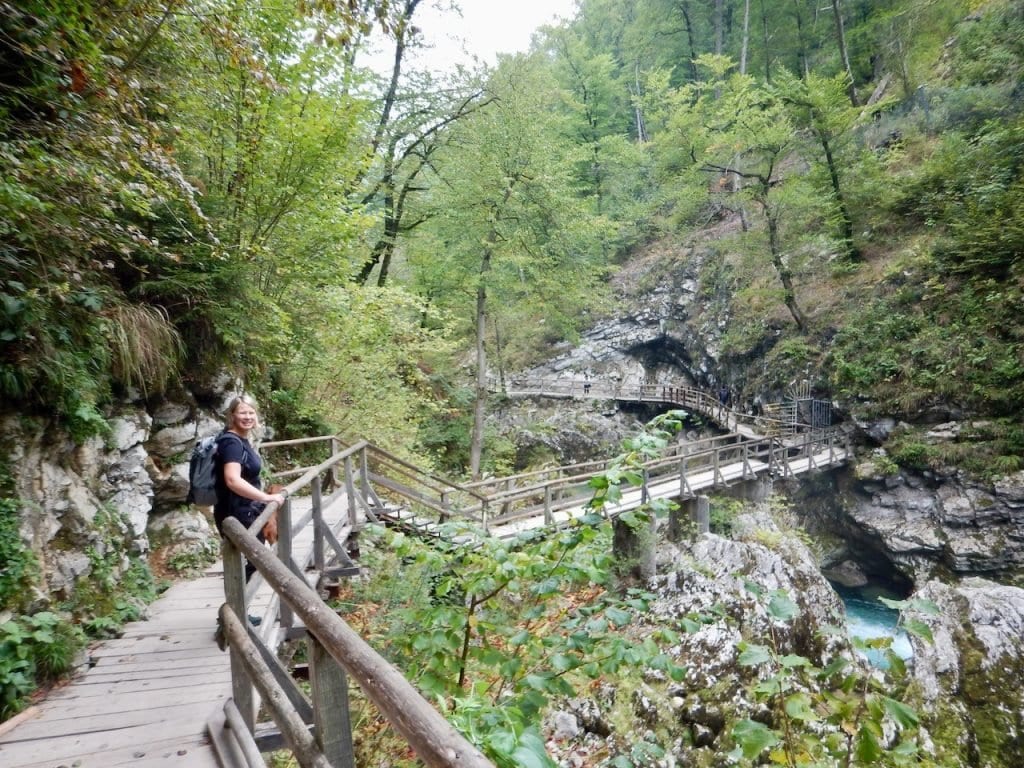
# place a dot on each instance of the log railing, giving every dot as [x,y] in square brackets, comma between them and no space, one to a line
[317,730]
[368,481]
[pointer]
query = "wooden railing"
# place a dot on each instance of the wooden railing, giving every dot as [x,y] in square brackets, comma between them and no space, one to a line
[369,481]
[317,730]
[549,492]
[686,397]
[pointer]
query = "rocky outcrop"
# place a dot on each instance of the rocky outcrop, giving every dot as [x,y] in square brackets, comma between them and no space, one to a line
[928,523]
[652,340]
[963,684]
[967,679]
[719,589]
[79,501]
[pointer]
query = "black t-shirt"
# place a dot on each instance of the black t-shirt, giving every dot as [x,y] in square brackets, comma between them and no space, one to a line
[232,448]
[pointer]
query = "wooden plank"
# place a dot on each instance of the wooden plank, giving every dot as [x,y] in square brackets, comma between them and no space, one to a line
[74,714]
[98,750]
[153,682]
[151,663]
[112,723]
[182,752]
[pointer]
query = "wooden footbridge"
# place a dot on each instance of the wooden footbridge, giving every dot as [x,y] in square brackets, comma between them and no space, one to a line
[163,694]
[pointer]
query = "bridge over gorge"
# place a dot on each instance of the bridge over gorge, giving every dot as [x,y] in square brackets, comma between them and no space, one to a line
[164,695]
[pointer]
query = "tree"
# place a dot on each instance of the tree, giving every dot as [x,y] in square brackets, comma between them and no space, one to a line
[506,223]
[819,105]
[745,132]
[844,56]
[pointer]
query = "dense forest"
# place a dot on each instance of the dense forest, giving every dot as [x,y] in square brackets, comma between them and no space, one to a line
[194,188]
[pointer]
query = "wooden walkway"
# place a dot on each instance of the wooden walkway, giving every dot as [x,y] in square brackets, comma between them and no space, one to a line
[145,699]
[156,695]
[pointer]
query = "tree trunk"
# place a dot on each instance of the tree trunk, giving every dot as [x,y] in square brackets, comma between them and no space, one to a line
[801,52]
[846,223]
[746,37]
[785,275]
[837,11]
[767,38]
[476,443]
[500,358]
[684,8]
[718,22]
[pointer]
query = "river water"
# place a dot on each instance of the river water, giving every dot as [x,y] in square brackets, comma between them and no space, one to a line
[867,619]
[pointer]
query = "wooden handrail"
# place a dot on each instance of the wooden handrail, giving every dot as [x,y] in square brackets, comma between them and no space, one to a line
[685,395]
[433,738]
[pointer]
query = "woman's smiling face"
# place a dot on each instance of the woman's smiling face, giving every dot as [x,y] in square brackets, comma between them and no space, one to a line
[244,418]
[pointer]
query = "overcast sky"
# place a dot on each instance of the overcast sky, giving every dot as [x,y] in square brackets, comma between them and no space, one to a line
[487,27]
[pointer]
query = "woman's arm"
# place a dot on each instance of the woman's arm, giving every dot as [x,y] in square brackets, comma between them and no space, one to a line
[238,486]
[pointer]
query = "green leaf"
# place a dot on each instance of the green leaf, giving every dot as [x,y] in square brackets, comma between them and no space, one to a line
[902,715]
[781,607]
[752,655]
[537,682]
[531,753]
[562,663]
[753,737]
[520,638]
[798,707]
[867,748]
[792,660]
[690,626]
[618,617]
[918,628]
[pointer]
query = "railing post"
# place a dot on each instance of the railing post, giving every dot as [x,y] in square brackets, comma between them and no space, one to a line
[684,485]
[332,480]
[284,554]
[329,690]
[548,519]
[484,511]
[234,595]
[316,495]
[350,493]
[364,475]
[645,494]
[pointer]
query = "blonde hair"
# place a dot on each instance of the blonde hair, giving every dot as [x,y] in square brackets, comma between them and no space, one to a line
[235,404]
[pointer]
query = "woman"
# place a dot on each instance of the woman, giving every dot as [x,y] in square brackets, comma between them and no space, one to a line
[239,493]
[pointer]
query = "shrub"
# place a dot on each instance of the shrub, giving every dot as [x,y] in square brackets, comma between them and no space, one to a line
[34,650]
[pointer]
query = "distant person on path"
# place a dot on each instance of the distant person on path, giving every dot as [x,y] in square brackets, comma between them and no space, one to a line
[586,385]
[239,493]
[723,400]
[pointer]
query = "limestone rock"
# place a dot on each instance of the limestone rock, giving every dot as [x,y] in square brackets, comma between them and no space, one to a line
[969,676]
